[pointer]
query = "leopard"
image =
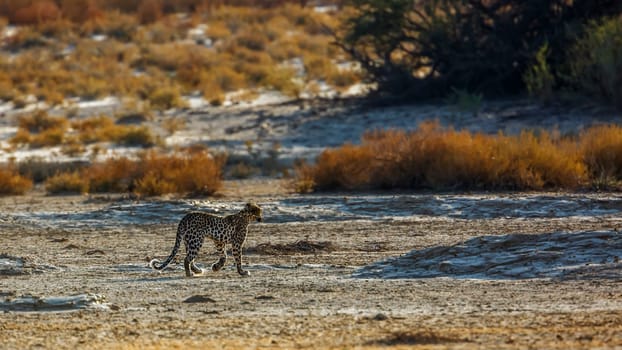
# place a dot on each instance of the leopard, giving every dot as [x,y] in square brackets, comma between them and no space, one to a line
[222,230]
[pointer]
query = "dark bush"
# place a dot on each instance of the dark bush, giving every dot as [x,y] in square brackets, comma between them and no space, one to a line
[425,48]
[595,63]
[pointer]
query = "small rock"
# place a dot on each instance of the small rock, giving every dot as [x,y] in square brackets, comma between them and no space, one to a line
[380,317]
[199,299]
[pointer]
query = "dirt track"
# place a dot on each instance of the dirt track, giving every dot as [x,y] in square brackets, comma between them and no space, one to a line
[299,295]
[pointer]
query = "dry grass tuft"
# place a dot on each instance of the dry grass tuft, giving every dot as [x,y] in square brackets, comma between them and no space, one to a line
[66,183]
[112,175]
[41,121]
[40,130]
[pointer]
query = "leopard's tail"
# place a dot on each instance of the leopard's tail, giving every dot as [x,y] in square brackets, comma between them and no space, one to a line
[156,264]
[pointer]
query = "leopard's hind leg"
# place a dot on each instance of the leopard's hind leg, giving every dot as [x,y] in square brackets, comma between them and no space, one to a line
[192,248]
[220,247]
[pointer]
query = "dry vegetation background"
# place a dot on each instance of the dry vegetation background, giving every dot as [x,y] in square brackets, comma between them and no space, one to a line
[139,50]
[152,53]
[434,157]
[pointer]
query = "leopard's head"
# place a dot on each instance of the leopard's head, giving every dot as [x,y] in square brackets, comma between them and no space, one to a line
[254,210]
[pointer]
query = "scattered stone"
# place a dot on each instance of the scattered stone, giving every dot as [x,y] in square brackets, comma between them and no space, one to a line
[380,317]
[95,251]
[199,299]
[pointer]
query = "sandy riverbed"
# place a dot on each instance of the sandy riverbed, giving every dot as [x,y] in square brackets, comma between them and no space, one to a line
[68,282]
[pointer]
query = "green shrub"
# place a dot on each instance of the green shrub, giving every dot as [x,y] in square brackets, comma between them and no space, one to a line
[538,78]
[595,61]
[416,49]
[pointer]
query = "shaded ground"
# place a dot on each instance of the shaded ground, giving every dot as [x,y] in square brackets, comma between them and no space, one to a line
[295,297]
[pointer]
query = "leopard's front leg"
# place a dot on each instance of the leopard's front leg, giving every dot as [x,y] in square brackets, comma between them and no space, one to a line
[236,249]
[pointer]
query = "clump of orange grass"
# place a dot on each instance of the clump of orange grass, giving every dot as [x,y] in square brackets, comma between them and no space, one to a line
[66,182]
[601,149]
[197,173]
[433,157]
[194,173]
[12,183]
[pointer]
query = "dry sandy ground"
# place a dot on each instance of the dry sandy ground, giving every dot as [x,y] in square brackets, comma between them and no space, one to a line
[301,297]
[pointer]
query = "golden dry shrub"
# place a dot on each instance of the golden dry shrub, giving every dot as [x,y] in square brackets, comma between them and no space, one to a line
[253,39]
[135,136]
[317,66]
[103,128]
[152,184]
[169,56]
[343,168]
[153,174]
[284,49]
[40,130]
[112,175]
[40,121]
[94,129]
[218,30]
[304,178]
[540,161]
[433,157]
[66,183]
[12,183]
[166,97]
[48,138]
[601,151]
[115,24]
[21,138]
[283,80]
[195,173]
